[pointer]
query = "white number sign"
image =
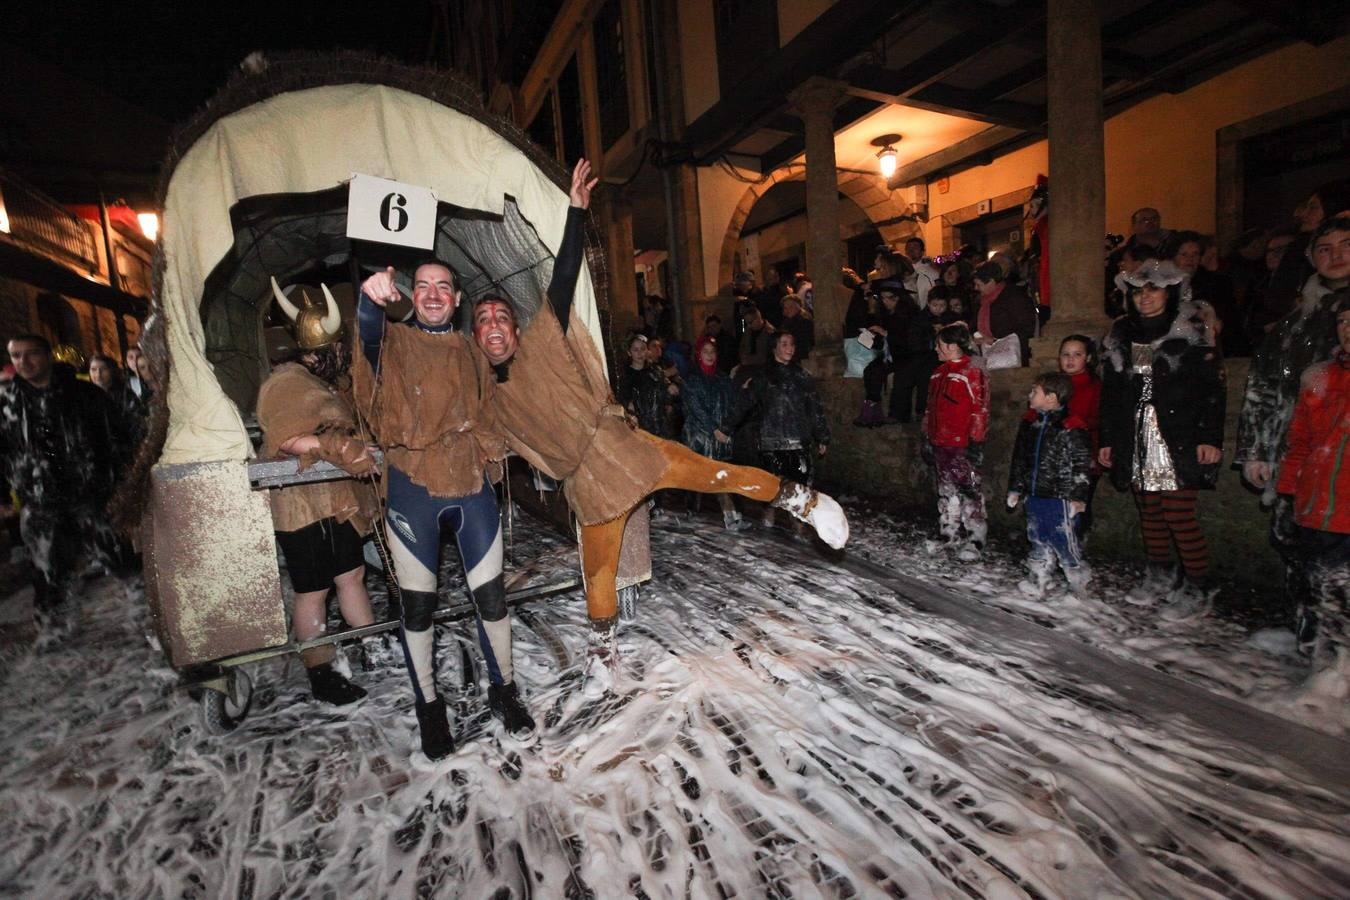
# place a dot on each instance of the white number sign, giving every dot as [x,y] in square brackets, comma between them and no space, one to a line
[391,212]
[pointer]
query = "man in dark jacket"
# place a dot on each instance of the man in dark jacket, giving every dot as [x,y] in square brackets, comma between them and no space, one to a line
[754,348]
[1301,339]
[797,321]
[1051,475]
[58,440]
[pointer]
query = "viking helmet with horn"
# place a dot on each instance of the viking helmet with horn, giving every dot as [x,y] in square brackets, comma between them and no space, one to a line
[315,326]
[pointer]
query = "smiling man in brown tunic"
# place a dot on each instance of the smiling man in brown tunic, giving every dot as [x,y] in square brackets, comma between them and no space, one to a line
[552,402]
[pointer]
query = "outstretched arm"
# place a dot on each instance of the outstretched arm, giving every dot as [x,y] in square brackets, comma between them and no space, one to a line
[567,266]
[376,291]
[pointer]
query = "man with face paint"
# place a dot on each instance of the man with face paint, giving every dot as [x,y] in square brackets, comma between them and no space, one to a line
[417,385]
[548,393]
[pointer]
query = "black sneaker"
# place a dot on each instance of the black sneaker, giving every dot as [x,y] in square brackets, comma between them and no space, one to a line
[434,727]
[328,685]
[504,702]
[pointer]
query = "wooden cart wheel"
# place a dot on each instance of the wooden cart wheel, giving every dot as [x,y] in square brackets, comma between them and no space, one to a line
[222,711]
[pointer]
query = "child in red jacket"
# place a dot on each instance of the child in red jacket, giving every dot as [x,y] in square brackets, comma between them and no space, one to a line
[954,426]
[1078,360]
[1316,472]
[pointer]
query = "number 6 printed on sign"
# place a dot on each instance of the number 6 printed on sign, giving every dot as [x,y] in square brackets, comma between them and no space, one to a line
[391,212]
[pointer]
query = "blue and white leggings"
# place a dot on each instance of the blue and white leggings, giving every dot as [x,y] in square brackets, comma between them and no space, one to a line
[415,517]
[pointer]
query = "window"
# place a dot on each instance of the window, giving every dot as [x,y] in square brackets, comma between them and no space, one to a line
[611,73]
[569,112]
[747,34]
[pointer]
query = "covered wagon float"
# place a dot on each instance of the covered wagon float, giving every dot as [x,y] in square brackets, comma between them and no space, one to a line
[316,171]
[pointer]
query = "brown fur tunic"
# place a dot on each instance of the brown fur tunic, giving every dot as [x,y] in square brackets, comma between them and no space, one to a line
[427,412]
[294,402]
[556,411]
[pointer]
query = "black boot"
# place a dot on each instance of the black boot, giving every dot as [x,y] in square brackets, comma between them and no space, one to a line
[504,702]
[328,685]
[434,726]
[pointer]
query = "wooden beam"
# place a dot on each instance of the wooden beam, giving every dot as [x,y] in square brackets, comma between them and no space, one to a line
[953,101]
[1144,19]
[820,48]
[851,110]
[1302,20]
[958,155]
[990,26]
[1167,70]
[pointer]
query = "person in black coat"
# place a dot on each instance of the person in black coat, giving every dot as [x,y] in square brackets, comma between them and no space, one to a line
[783,400]
[1163,400]
[644,390]
[918,350]
[1185,249]
[798,322]
[1003,308]
[889,325]
[59,443]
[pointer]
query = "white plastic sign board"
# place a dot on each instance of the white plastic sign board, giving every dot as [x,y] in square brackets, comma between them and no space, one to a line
[391,212]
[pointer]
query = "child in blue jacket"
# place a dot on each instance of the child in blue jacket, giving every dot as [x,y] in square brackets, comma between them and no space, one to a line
[1051,475]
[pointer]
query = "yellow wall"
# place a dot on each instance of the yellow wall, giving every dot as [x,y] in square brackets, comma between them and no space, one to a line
[698,58]
[718,195]
[1161,152]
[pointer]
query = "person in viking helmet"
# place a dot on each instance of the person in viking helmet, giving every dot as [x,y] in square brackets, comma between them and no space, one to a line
[305,410]
[548,393]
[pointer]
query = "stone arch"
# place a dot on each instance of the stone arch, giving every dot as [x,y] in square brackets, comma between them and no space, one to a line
[883,208]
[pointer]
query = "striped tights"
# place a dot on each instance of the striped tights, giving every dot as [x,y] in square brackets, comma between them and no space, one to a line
[1168,517]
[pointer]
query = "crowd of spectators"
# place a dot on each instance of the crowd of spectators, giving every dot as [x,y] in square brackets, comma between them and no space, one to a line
[1148,412]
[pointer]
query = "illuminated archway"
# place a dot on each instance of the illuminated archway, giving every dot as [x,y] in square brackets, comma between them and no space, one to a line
[891,216]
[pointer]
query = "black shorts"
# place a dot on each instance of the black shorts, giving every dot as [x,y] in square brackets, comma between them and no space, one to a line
[318,553]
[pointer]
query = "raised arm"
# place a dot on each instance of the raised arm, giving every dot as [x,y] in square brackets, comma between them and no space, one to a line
[567,266]
[376,291]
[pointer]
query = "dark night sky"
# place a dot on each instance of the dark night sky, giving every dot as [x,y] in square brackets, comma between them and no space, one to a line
[169,57]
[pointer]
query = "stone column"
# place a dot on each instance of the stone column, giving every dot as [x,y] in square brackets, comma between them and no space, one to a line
[686,248]
[1077,168]
[615,218]
[815,101]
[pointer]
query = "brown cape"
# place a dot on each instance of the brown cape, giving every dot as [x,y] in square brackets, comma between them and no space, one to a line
[555,409]
[425,408]
[294,402]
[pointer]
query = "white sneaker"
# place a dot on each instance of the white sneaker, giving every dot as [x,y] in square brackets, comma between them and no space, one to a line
[818,510]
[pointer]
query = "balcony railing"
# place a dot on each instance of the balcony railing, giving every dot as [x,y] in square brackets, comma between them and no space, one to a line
[42,224]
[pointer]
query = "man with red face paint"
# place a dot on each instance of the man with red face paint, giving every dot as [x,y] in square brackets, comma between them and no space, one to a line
[549,395]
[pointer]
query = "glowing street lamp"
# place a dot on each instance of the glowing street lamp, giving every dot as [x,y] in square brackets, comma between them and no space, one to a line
[886,157]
